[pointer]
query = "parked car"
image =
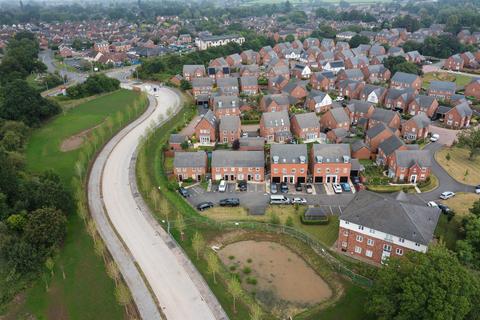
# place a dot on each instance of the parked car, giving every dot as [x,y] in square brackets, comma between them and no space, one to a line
[298,200]
[477,189]
[434,137]
[273,188]
[432,204]
[184,192]
[222,187]
[445,209]
[205,205]
[447,195]
[346,187]
[339,98]
[284,187]
[279,199]
[242,185]
[229,202]
[337,188]
[309,188]
[298,187]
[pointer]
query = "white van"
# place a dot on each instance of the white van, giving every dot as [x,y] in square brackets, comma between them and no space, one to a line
[279,199]
[222,187]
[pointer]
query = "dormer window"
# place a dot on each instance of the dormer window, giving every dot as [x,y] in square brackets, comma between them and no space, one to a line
[275,159]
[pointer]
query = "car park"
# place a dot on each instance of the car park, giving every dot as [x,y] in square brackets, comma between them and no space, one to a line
[337,188]
[447,195]
[434,137]
[222,187]
[229,202]
[309,188]
[477,189]
[184,192]
[205,205]
[432,204]
[298,200]
[345,187]
[273,188]
[284,187]
[242,185]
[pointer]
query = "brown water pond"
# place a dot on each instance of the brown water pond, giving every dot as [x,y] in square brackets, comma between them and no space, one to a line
[281,276]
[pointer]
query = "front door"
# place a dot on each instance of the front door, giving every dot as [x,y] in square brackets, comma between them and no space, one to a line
[331,179]
[413,178]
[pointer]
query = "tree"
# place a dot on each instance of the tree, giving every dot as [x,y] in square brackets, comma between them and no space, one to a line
[424,286]
[185,85]
[180,224]
[290,38]
[198,243]
[470,139]
[122,294]
[113,272]
[236,144]
[46,228]
[358,40]
[399,63]
[235,290]
[213,265]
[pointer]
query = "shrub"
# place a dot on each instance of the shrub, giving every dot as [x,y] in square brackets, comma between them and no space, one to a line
[251,280]
[247,270]
[274,219]
[314,222]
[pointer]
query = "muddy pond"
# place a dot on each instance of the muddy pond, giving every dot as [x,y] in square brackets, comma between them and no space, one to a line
[277,276]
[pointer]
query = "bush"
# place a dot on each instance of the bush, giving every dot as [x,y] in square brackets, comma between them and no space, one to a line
[274,219]
[246,270]
[251,280]
[314,222]
[95,84]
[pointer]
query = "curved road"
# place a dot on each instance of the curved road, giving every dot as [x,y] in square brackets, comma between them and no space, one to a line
[177,286]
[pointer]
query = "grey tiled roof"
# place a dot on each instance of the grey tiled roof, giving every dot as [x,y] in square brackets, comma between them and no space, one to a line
[359,106]
[383,115]
[276,119]
[177,138]
[400,218]
[249,81]
[190,68]
[403,77]
[464,109]
[229,123]
[227,82]
[339,115]
[252,141]
[202,82]
[407,158]
[221,102]
[288,153]
[421,120]
[210,117]
[376,130]
[357,145]
[190,159]
[331,152]
[307,120]
[443,86]
[389,145]
[227,158]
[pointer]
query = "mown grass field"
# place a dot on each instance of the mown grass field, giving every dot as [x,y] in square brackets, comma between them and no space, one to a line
[86,292]
[459,79]
[460,167]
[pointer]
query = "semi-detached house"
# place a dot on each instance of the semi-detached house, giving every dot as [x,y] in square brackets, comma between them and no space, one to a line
[238,165]
[330,163]
[288,163]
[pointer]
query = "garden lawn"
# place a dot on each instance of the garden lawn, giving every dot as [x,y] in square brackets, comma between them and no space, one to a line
[86,292]
[460,167]
[459,79]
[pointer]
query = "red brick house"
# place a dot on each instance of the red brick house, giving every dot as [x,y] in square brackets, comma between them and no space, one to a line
[410,166]
[399,99]
[423,104]
[375,226]
[65,51]
[442,90]
[387,148]
[275,126]
[373,94]
[190,165]
[296,89]
[318,101]
[335,118]
[305,126]
[473,89]
[202,87]
[458,117]
[389,117]
[238,165]
[359,110]
[250,57]
[277,83]
[319,82]
[234,60]
[175,141]
[416,127]
[350,88]
[360,150]
[226,106]
[249,85]
[376,73]
[330,163]
[402,80]
[206,129]
[288,163]
[229,129]
[454,62]
[377,134]
[250,70]
[274,102]
[193,71]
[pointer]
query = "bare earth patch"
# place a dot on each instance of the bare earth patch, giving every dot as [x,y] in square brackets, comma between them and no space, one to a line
[76,141]
[284,281]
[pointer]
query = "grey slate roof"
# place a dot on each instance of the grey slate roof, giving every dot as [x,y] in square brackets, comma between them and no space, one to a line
[400,218]
[252,142]
[307,120]
[249,81]
[383,115]
[331,152]
[443,86]
[227,82]
[228,158]
[280,98]
[389,145]
[177,138]
[377,129]
[190,159]
[202,82]
[339,115]
[407,158]
[229,123]
[221,102]
[190,68]
[424,101]
[359,144]
[421,120]
[210,117]
[464,109]
[403,77]
[276,119]
[288,153]
[359,106]
[353,73]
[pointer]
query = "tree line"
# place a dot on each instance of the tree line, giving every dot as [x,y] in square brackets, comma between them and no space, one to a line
[95,84]
[33,207]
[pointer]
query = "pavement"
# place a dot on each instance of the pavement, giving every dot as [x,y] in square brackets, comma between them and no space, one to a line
[176,284]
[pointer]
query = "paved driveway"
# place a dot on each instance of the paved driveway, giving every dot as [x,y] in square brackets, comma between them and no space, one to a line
[447,136]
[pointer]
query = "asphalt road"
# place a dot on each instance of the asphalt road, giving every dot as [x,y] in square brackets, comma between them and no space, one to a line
[176,292]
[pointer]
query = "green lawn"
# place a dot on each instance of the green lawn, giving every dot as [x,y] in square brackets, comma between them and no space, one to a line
[86,292]
[459,79]
[448,231]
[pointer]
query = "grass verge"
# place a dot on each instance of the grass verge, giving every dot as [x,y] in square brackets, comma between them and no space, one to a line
[78,271]
[459,166]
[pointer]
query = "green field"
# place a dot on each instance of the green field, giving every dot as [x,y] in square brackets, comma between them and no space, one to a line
[308,2]
[86,292]
[459,79]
